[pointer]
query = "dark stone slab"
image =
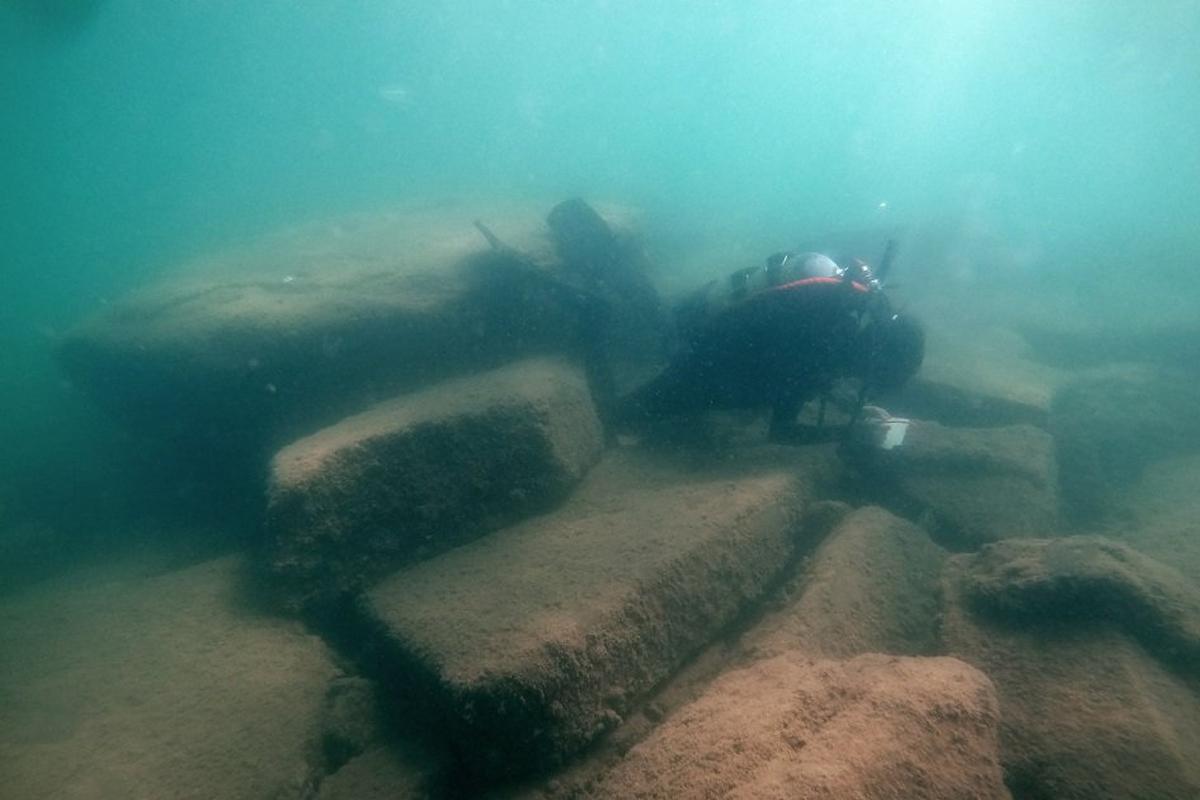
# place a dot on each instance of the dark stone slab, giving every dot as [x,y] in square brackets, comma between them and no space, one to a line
[976,374]
[227,358]
[964,406]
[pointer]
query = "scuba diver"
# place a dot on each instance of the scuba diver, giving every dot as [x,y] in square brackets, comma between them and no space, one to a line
[781,335]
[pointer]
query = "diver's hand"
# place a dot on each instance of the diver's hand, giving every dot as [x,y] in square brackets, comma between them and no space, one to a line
[879,430]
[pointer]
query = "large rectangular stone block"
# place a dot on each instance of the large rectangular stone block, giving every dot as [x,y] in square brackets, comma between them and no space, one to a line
[793,727]
[226,358]
[426,471]
[535,640]
[974,485]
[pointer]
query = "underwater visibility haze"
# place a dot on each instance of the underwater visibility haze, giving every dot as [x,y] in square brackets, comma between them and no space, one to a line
[241,237]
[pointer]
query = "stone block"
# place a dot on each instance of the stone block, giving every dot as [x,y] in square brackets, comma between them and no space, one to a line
[425,471]
[1086,711]
[533,641]
[872,586]
[973,485]
[1089,580]
[127,681]
[790,726]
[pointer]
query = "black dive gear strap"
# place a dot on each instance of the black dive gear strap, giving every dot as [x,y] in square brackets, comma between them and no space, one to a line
[877,309]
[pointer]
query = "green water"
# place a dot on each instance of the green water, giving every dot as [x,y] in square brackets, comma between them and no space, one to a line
[137,133]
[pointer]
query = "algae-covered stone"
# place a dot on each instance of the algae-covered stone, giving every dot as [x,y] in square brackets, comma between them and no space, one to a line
[1108,429]
[424,471]
[976,375]
[531,642]
[1086,711]
[872,727]
[974,484]
[1089,580]
[119,683]
[389,771]
[873,586]
[238,353]
[1159,515]
[350,720]
[960,403]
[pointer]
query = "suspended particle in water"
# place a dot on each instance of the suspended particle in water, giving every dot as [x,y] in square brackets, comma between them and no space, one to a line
[396,94]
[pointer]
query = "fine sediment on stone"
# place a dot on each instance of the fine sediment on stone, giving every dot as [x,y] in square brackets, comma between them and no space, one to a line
[964,406]
[535,640]
[976,373]
[1160,515]
[790,726]
[417,474]
[118,683]
[872,586]
[231,356]
[1108,429]
[974,485]
[388,771]
[1088,580]
[1086,712]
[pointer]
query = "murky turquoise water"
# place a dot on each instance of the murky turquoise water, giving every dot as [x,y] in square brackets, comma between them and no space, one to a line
[135,132]
[1045,144]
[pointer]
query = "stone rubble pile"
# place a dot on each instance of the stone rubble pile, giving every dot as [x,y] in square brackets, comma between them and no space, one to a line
[537,609]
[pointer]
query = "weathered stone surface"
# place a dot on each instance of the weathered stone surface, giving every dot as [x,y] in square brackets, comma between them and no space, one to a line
[976,375]
[873,727]
[532,641]
[1159,515]
[873,586]
[1169,339]
[1085,711]
[1091,580]
[960,403]
[239,353]
[1108,429]
[974,485]
[426,471]
[115,683]
[386,772]
[350,720]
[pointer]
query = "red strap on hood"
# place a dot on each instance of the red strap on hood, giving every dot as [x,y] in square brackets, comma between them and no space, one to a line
[858,287]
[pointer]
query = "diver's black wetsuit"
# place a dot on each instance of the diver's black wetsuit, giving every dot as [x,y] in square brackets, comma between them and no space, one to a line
[777,349]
